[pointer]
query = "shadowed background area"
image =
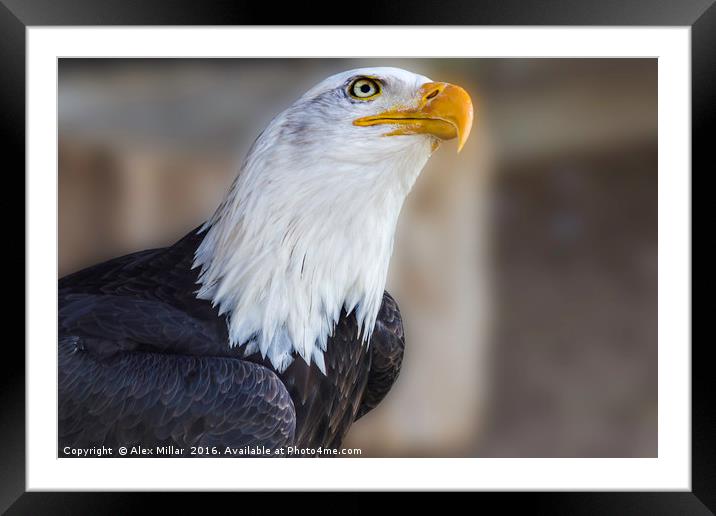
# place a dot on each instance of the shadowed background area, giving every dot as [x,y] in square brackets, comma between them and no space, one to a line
[525,267]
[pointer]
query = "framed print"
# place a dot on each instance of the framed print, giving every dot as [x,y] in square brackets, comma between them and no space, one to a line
[386,256]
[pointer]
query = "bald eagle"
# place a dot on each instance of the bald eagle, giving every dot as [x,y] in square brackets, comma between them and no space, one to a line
[268,325]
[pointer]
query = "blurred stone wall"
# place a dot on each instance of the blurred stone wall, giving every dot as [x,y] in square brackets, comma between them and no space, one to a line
[578,375]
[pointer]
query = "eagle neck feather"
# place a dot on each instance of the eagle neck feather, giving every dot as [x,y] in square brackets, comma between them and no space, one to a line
[295,242]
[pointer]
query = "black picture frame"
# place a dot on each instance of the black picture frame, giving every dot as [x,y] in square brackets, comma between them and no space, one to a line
[17,15]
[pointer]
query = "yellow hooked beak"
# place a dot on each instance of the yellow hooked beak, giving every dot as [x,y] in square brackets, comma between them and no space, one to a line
[444,111]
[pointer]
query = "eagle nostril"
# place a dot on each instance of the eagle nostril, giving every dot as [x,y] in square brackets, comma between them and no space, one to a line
[432,94]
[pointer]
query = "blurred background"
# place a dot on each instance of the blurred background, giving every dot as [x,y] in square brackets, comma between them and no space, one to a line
[525,267]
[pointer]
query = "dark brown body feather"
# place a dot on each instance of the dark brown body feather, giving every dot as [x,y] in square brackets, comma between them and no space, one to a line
[143,362]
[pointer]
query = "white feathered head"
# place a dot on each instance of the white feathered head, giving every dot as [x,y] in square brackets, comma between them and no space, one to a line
[307,227]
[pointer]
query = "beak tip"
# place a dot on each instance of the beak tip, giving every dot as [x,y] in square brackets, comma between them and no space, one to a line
[462,139]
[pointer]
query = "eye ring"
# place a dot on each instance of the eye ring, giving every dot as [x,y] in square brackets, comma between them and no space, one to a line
[365,88]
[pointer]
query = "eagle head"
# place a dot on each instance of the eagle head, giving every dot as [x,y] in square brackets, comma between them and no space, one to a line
[306,229]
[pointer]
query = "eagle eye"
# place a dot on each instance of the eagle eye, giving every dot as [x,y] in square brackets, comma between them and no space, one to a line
[364,88]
